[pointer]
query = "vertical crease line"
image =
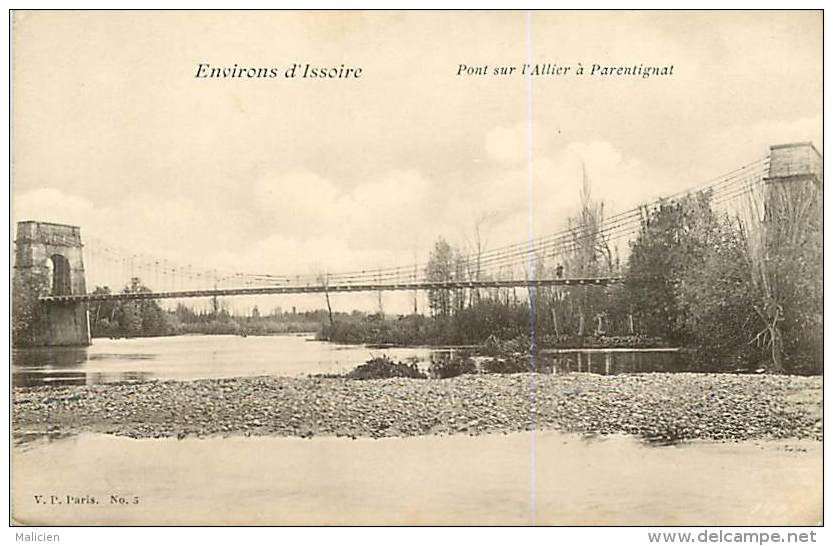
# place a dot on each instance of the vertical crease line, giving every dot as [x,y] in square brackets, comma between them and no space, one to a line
[531,272]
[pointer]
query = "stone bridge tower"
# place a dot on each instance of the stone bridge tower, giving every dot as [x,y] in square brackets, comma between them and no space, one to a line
[793,192]
[49,261]
[795,178]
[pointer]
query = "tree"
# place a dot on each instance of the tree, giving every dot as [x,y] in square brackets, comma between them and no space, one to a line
[185,314]
[588,255]
[324,279]
[717,298]
[27,312]
[688,280]
[672,241]
[590,252]
[440,267]
[782,225]
[477,246]
[103,315]
[458,274]
[142,317]
[129,320]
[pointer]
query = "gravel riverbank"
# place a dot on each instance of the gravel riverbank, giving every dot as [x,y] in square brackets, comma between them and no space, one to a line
[661,407]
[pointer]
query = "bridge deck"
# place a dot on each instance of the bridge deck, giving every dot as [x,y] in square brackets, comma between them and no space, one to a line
[320,289]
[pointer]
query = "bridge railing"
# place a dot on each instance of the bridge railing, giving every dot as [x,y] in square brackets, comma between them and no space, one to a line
[323,288]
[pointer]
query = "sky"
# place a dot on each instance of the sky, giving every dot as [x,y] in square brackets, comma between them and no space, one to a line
[111,131]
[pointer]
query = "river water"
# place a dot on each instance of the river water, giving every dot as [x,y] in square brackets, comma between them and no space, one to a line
[547,478]
[194,357]
[542,477]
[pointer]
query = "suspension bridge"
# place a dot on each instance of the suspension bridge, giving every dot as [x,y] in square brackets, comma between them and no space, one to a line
[320,289]
[510,266]
[56,251]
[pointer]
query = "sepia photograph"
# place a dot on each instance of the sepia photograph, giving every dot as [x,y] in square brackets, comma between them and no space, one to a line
[416,268]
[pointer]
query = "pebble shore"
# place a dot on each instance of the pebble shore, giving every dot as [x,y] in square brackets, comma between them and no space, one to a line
[657,407]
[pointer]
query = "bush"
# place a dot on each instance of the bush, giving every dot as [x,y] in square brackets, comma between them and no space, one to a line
[212,328]
[509,364]
[631,341]
[445,366]
[384,368]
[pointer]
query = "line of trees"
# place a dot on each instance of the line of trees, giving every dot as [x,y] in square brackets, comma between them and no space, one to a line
[563,312]
[146,318]
[137,318]
[740,291]
[218,321]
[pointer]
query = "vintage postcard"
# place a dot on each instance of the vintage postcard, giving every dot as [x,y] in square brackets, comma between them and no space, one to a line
[547,268]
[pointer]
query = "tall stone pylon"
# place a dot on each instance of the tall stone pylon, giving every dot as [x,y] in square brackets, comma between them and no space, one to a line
[49,260]
[792,219]
[794,179]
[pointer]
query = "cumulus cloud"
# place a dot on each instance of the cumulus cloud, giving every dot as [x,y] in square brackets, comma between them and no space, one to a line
[511,145]
[300,222]
[52,204]
[298,201]
[752,140]
[537,197]
[314,225]
[390,211]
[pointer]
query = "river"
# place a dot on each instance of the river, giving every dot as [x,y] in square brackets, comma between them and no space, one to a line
[545,477]
[191,357]
[541,477]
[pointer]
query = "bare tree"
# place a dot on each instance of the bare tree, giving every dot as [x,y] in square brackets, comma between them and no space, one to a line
[476,246]
[588,253]
[440,269]
[379,296]
[324,279]
[782,231]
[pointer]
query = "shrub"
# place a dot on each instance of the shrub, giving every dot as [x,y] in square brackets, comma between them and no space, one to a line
[445,366]
[384,368]
[509,364]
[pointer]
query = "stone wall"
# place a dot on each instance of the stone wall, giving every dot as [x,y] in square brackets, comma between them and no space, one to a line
[48,324]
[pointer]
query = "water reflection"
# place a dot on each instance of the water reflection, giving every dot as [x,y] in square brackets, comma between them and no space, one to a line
[195,357]
[187,358]
[474,480]
[27,440]
[137,356]
[52,357]
[65,366]
[62,379]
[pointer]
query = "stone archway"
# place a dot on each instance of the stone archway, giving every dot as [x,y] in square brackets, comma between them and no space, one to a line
[61,276]
[49,261]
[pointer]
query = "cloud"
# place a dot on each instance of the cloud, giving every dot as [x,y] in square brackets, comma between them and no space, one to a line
[753,140]
[552,194]
[510,145]
[301,222]
[390,211]
[378,213]
[296,202]
[52,203]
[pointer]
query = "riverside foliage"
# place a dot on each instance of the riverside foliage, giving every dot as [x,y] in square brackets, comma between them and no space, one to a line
[687,283]
[146,318]
[737,293]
